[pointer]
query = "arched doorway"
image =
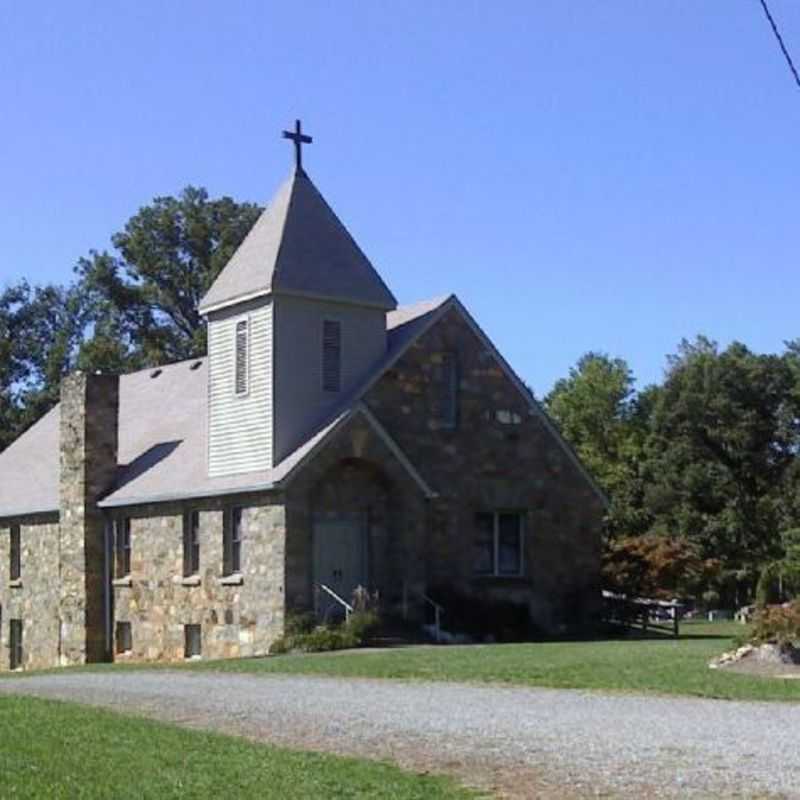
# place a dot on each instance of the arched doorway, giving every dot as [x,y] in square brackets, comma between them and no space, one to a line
[350,508]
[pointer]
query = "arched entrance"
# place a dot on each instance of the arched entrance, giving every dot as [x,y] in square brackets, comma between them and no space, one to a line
[350,508]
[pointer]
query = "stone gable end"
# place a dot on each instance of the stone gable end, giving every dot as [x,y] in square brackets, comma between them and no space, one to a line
[500,455]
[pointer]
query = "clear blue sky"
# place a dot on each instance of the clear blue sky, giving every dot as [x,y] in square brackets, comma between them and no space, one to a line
[584,175]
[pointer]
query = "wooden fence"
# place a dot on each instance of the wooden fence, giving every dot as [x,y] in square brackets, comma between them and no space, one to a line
[643,612]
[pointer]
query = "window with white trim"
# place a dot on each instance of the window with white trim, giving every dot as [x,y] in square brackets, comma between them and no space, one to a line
[241,365]
[498,543]
[331,355]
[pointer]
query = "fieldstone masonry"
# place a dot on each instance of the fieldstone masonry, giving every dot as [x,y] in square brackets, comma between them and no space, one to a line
[34,599]
[239,616]
[356,472]
[501,455]
[89,414]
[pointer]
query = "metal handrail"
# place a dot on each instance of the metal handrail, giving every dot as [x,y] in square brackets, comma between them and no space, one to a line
[348,609]
[437,611]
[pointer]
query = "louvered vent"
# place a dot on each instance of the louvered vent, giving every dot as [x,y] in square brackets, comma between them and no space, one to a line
[241,357]
[331,356]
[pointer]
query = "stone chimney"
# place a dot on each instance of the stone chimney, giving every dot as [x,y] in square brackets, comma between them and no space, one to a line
[89,434]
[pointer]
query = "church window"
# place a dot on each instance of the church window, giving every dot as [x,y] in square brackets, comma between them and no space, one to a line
[241,377]
[193,641]
[498,544]
[232,542]
[122,547]
[331,355]
[448,390]
[15,553]
[191,543]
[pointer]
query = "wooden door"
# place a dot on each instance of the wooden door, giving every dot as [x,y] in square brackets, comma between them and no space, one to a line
[339,559]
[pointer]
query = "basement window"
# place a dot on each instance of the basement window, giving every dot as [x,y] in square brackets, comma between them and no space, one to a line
[15,553]
[241,346]
[15,642]
[498,544]
[124,638]
[331,355]
[193,641]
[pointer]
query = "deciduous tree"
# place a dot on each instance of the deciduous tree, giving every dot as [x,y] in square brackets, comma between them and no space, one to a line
[145,293]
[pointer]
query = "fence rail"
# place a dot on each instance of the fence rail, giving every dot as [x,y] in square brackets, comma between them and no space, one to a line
[650,614]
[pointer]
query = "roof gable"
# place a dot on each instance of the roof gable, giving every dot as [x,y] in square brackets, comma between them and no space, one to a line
[163,456]
[535,406]
[299,246]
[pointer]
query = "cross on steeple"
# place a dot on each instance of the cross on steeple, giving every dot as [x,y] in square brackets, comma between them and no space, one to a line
[299,139]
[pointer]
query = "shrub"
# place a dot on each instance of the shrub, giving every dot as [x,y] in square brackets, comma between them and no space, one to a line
[362,625]
[303,635]
[323,639]
[298,623]
[779,624]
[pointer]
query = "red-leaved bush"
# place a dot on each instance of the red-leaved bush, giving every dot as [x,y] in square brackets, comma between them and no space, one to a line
[654,566]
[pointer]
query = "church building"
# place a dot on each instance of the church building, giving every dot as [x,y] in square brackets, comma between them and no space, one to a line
[329,440]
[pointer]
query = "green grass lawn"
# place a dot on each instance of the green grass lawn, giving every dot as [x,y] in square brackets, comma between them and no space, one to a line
[664,665]
[51,750]
[650,666]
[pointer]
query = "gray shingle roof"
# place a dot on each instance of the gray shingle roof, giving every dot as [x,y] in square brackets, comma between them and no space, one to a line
[29,469]
[163,441]
[299,246]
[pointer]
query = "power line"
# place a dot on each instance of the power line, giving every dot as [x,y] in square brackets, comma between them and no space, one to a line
[780,42]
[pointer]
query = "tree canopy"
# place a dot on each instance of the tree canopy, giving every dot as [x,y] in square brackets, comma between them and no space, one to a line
[143,297]
[130,307]
[709,457]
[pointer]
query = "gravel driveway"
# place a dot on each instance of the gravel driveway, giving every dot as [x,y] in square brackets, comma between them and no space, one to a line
[517,742]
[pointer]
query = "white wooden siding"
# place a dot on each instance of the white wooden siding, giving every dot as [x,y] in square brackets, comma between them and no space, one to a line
[300,401]
[240,426]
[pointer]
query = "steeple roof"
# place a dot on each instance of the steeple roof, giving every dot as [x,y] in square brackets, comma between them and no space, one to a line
[299,246]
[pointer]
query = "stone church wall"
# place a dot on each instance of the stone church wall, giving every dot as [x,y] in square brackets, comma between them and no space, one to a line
[356,472]
[239,618]
[34,599]
[501,455]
